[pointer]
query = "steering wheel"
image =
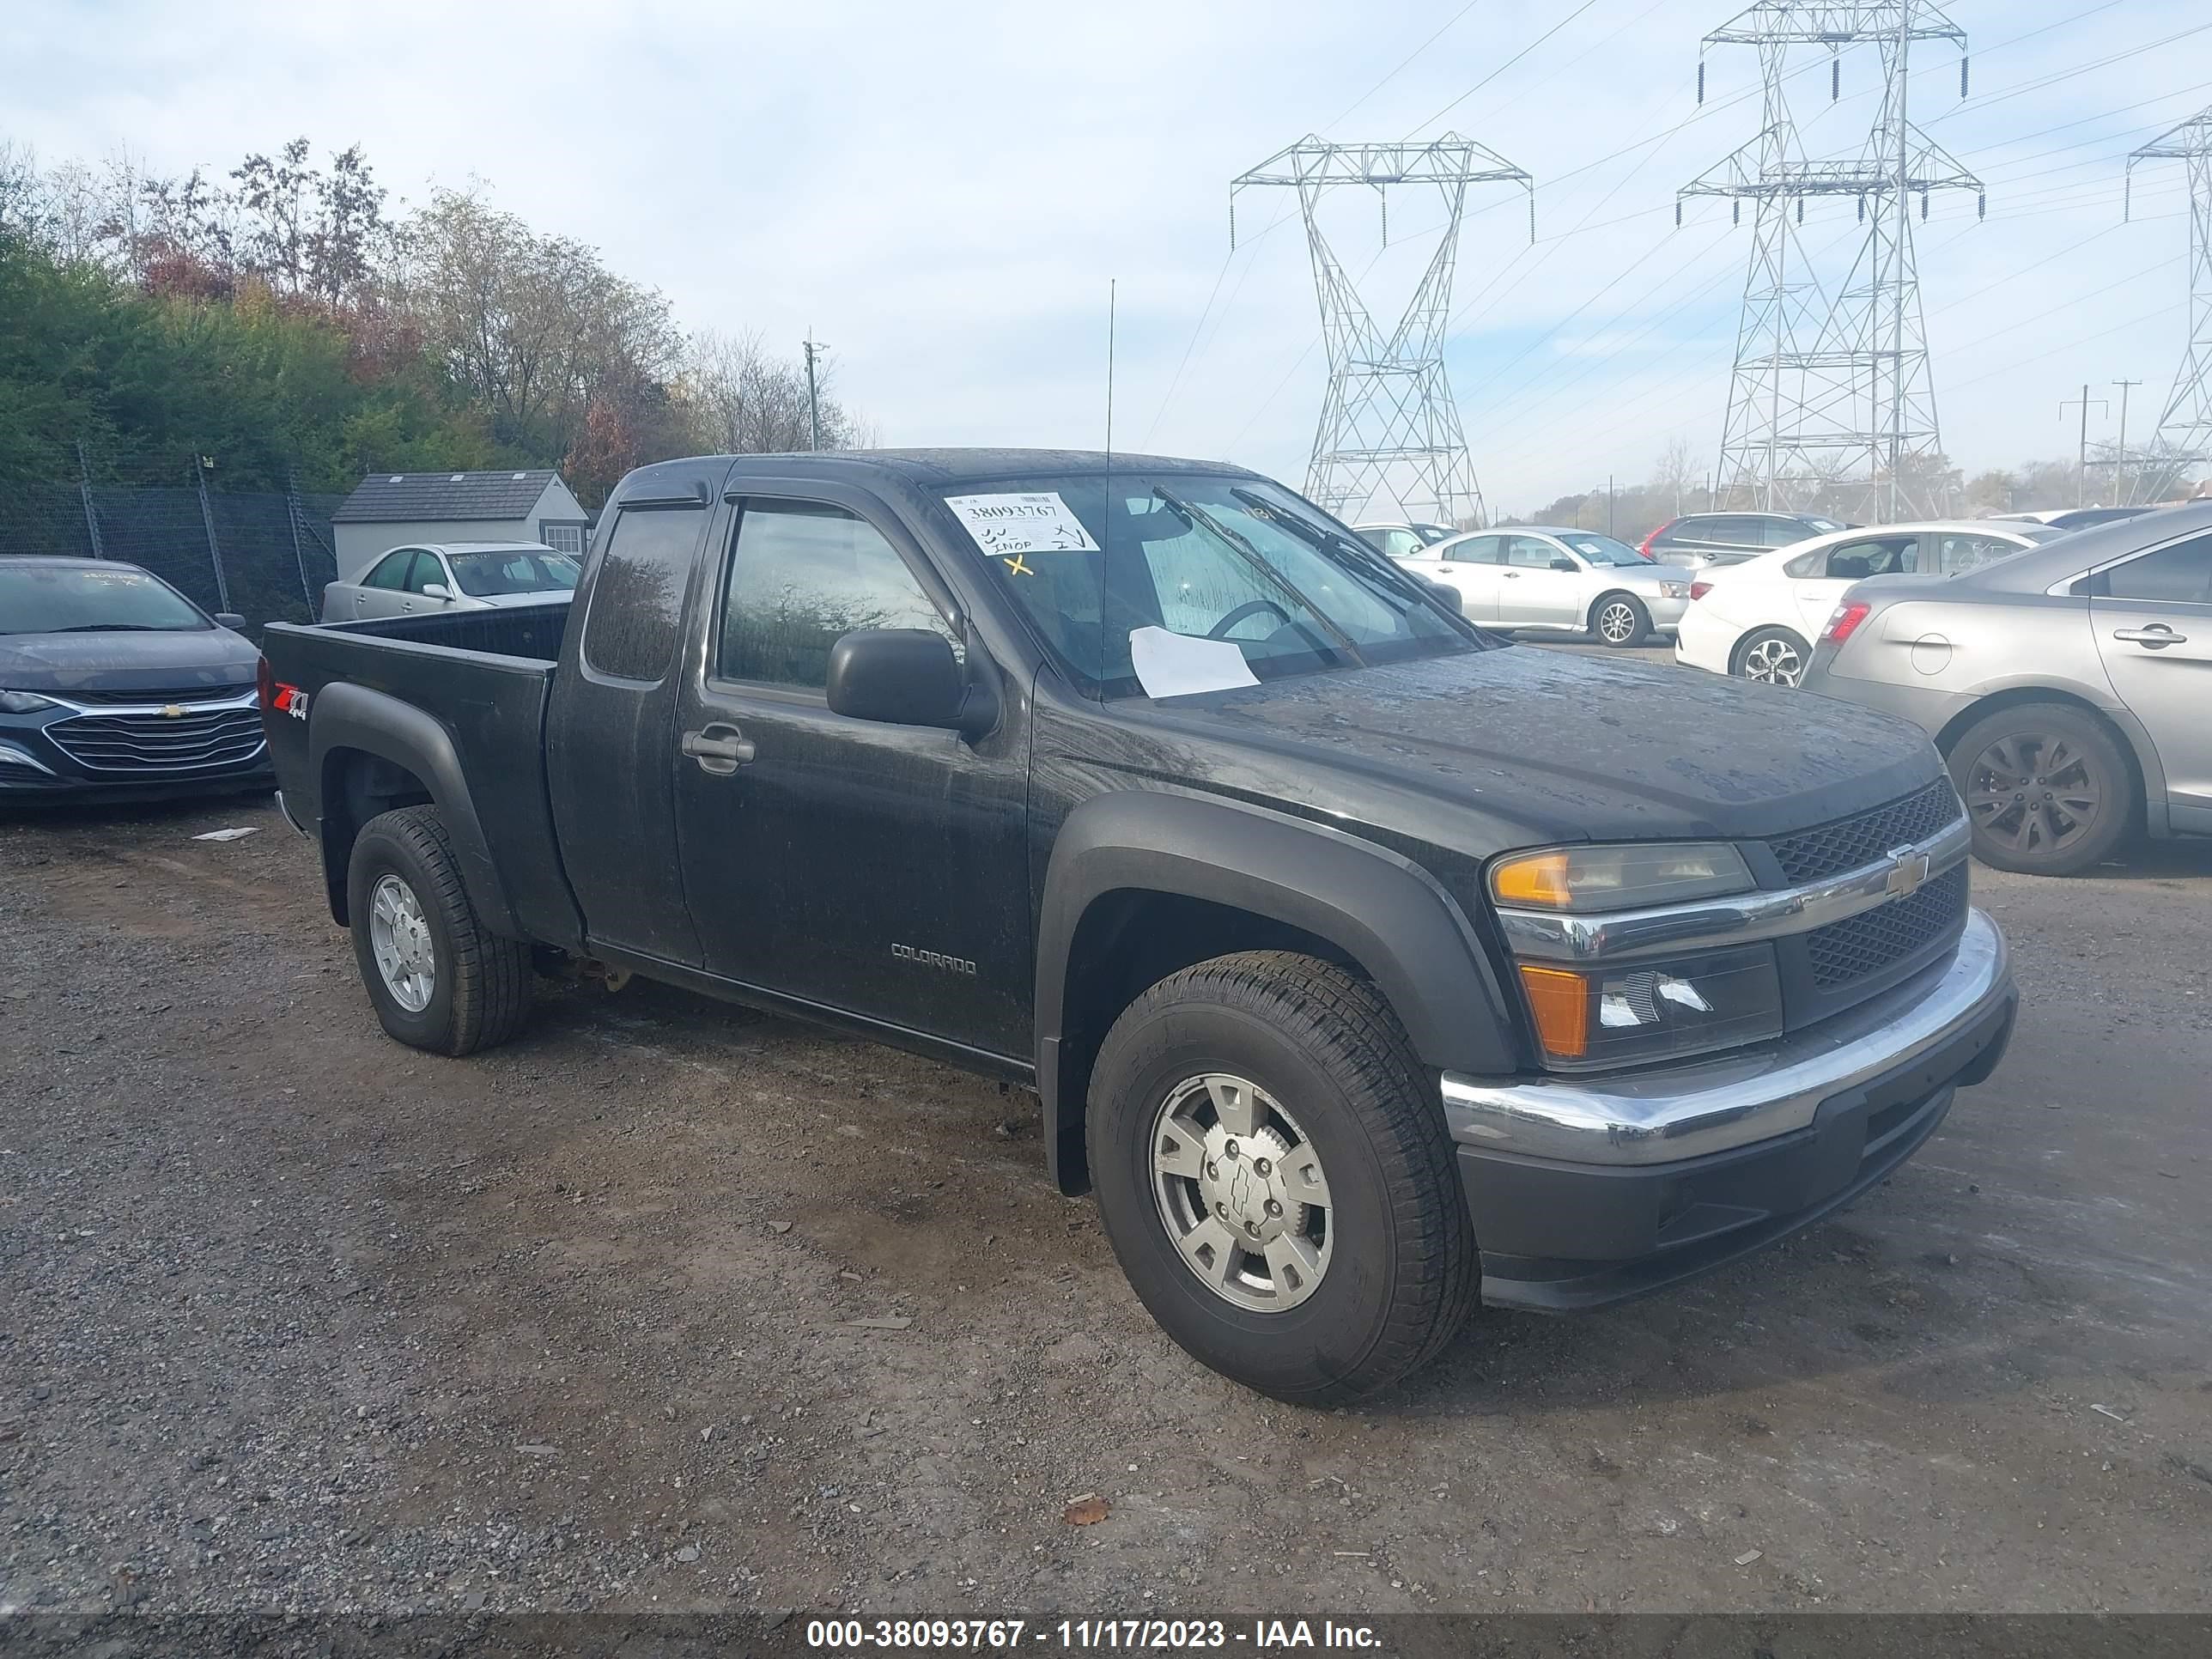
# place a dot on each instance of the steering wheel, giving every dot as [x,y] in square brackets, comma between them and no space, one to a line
[1249,608]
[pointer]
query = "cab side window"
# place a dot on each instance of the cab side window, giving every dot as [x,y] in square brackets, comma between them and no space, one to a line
[637,598]
[1528,553]
[1403,545]
[802,574]
[426,569]
[1888,556]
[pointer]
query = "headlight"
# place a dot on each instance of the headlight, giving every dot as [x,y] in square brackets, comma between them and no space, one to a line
[1642,1012]
[1619,877]
[24,703]
[1674,590]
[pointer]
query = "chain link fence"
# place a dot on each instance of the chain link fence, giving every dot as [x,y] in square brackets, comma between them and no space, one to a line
[265,555]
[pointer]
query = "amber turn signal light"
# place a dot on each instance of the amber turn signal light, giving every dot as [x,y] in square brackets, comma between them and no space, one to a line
[1561,1001]
[1539,878]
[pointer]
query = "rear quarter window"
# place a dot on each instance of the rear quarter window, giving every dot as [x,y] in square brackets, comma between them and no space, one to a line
[637,598]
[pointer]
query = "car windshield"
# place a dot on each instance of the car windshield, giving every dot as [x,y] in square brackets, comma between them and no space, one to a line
[483,576]
[50,598]
[1159,584]
[1823,527]
[1435,532]
[1602,550]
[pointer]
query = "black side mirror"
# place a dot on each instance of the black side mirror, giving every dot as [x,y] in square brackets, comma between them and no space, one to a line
[904,677]
[1564,564]
[228,619]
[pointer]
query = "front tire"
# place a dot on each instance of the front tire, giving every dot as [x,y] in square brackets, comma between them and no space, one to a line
[2047,791]
[1274,1174]
[1621,620]
[439,981]
[1772,656]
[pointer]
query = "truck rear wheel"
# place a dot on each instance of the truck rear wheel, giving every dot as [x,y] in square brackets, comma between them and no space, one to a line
[1273,1174]
[437,979]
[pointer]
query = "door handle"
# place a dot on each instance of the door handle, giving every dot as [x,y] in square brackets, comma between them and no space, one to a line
[1447,568]
[2157,636]
[1512,576]
[721,750]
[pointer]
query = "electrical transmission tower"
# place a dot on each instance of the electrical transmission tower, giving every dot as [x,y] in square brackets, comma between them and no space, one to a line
[1388,427]
[1831,401]
[2184,436]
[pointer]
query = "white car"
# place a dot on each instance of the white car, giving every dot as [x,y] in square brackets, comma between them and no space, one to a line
[1557,580]
[1757,620]
[454,576]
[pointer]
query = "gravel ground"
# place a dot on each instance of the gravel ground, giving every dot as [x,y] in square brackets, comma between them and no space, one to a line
[300,1320]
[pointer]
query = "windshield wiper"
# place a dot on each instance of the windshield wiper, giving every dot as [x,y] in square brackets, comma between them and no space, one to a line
[117,627]
[1251,555]
[1355,559]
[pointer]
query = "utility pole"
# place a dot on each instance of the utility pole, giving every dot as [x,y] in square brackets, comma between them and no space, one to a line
[201,464]
[814,348]
[1608,504]
[2123,486]
[84,495]
[2081,463]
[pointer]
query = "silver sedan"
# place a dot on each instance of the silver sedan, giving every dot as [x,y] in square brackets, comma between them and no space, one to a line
[2067,686]
[453,576]
[1548,578]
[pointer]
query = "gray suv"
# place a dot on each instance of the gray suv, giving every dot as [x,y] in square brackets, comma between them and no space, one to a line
[2067,686]
[1700,541]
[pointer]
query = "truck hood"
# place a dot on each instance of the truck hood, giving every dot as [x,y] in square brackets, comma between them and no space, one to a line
[1520,745]
[153,661]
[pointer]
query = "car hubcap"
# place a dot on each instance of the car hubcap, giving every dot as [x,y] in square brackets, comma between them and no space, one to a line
[1617,623]
[2033,794]
[1240,1192]
[1774,661]
[400,938]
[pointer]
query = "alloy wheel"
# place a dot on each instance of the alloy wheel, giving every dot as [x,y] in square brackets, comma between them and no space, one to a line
[1773,661]
[400,938]
[2034,794]
[1616,623]
[1240,1192]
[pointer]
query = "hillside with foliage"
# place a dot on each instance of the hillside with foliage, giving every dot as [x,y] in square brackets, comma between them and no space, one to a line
[287,321]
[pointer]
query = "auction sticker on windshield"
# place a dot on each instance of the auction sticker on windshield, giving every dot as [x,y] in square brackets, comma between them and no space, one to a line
[1037,522]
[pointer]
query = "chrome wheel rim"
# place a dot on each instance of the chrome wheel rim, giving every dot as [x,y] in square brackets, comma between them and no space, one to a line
[1773,661]
[400,939]
[1240,1192]
[2033,794]
[1617,624]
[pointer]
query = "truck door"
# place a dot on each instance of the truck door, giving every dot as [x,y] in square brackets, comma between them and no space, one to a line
[877,869]
[611,756]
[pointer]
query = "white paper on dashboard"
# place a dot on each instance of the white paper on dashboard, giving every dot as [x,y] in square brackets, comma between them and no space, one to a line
[1176,665]
[1035,522]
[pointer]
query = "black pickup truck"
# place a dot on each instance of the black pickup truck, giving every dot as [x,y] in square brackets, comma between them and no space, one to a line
[1366,965]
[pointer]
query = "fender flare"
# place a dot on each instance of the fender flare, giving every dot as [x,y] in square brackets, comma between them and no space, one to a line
[349,716]
[1382,910]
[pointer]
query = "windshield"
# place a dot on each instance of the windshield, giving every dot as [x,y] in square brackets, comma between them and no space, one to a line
[1176,582]
[1435,532]
[1602,550]
[51,598]
[1823,526]
[483,576]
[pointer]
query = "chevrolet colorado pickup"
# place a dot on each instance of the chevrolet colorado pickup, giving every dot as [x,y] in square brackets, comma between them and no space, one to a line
[1365,966]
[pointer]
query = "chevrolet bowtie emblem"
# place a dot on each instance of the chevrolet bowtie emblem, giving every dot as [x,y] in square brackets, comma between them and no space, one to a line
[1907,871]
[171,711]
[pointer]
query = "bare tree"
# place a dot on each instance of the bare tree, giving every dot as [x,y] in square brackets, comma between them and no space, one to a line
[746,400]
[1674,474]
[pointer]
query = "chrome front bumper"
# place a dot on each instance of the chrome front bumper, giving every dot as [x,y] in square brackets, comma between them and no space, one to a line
[1734,1100]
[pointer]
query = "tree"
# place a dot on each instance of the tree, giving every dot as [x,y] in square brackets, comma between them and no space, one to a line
[1675,476]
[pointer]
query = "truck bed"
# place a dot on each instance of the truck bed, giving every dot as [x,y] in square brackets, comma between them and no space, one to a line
[484,677]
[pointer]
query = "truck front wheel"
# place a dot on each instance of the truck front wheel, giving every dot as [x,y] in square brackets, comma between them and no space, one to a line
[437,979]
[1275,1176]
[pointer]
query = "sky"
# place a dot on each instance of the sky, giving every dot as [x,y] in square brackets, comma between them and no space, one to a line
[943,193]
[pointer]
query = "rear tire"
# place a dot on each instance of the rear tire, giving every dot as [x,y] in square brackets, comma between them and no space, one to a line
[437,979]
[1772,656]
[1621,620]
[2047,790]
[1344,1294]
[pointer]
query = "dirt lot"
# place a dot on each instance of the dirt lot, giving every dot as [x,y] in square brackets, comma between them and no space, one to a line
[297,1318]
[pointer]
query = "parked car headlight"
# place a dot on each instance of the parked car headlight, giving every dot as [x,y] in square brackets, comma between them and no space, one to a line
[24,703]
[1674,590]
[1602,878]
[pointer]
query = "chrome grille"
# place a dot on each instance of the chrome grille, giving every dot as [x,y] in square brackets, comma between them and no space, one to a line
[140,699]
[1875,940]
[1853,843]
[195,740]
